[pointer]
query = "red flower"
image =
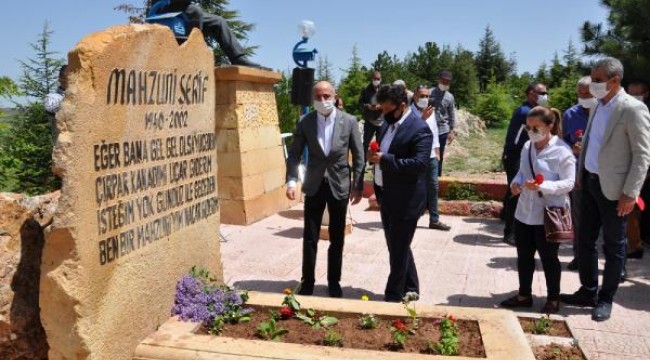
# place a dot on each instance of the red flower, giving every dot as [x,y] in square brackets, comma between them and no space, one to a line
[640,203]
[399,325]
[286,312]
[539,179]
[374,146]
[452,318]
[579,133]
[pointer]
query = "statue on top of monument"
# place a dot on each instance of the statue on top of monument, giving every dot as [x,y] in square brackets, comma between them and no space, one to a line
[214,26]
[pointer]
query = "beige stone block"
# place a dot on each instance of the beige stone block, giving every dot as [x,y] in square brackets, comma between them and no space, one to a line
[269,136]
[228,141]
[225,117]
[243,74]
[112,259]
[230,164]
[274,179]
[244,212]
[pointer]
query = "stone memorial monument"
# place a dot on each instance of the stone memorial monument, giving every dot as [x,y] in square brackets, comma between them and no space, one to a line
[139,205]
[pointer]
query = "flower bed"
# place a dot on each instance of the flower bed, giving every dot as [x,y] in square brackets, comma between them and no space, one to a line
[220,323]
[545,326]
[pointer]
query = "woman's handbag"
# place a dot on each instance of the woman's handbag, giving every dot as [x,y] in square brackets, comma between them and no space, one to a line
[558,225]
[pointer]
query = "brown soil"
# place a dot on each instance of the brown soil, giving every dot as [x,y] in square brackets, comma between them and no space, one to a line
[469,335]
[556,328]
[558,352]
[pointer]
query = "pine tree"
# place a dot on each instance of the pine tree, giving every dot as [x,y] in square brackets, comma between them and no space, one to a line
[491,61]
[241,29]
[424,62]
[465,84]
[27,143]
[40,73]
[356,78]
[557,72]
[324,70]
[626,37]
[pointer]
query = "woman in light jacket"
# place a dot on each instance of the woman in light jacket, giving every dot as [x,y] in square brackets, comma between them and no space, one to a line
[552,159]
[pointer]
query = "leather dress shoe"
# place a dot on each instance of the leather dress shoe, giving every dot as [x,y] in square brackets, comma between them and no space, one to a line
[602,311]
[579,298]
[623,275]
[551,307]
[335,290]
[306,289]
[573,265]
[636,254]
[439,226]
[516,302]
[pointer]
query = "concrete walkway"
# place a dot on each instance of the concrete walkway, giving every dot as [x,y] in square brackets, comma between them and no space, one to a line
[468,266]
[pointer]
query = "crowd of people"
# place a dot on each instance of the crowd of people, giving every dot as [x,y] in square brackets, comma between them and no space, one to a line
[593,159]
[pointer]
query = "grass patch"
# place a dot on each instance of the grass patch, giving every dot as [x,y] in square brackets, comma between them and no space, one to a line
[480,154]
[460,191]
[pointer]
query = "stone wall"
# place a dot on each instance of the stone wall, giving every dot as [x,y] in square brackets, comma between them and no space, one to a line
[22,220]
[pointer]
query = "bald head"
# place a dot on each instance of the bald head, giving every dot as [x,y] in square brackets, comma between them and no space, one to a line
[323,90]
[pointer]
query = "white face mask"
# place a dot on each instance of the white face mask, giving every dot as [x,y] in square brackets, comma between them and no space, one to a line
[443,87]
[638,97]
[423,102]
[542,100]
[588,103]
[536,137]
[599,90]
[324,107]
[376,83]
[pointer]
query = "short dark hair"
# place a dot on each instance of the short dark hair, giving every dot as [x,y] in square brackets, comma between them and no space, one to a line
[395,94]
[445,74]
[532,87]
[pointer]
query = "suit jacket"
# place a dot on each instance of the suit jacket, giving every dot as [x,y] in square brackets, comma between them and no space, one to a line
[345,138]
[404,168]
[624,156]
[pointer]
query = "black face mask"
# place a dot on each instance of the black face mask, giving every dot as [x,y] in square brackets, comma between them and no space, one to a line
[391,118]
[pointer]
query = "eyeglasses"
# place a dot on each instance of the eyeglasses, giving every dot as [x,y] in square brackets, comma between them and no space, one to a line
[377,79]
[541,93]
[535,130]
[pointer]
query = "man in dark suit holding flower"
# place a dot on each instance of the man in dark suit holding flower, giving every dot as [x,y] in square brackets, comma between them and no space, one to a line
[329,135]
[405,143]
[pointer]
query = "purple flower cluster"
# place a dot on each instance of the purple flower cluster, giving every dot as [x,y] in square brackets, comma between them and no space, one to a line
[197,302]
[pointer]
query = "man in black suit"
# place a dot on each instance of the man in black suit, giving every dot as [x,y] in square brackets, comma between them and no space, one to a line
[400,184]
[214,26]
[329,135]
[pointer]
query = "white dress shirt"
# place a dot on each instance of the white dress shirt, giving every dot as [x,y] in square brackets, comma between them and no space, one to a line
[433,125]
[384,145]
[557,163]
[597,133]
[324,132]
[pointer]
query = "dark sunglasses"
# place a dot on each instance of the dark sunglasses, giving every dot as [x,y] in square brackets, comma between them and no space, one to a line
[541,93]
[535,130]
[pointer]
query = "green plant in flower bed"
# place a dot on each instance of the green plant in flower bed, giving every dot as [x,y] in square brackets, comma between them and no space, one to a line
[410,310]
[448,343]
[461,191]
[368,321]
[313,318]
[199,300]
[400,333]
[268,330]
[333,338]
[542,325]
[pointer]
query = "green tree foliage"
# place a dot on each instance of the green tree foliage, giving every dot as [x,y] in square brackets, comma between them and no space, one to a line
[424,62]
[26,150]
[137,14]
[324,70]
[564,95]
[465,85]
[491,62]
[40,73]
[494,105]
[626,37]
[356,78]
[8,87]
[287,112]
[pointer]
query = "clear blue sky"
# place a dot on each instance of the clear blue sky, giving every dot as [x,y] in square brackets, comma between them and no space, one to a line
[533,30]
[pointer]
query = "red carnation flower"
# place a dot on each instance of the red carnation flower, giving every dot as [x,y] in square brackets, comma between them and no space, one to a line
[286,312]
[399,325]
[579,133]
[539,179]
[374,146]
[452,318]
[640,203]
